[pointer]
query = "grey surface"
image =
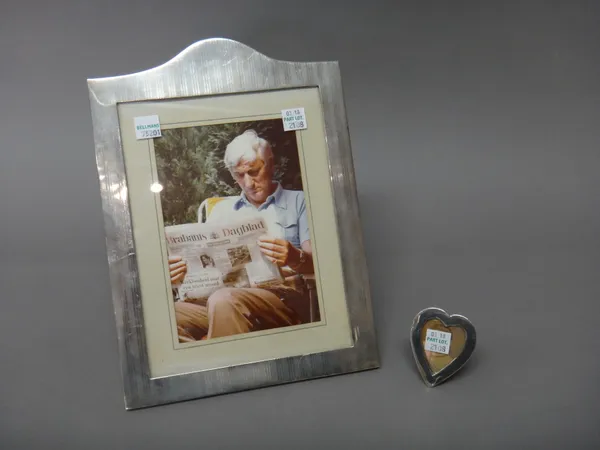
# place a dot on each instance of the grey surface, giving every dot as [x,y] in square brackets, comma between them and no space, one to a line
[476,149]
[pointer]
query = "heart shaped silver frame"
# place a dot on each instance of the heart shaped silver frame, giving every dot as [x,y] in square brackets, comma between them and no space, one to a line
[431,378]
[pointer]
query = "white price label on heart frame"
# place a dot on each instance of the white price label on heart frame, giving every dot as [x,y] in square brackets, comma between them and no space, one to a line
[438,341]
[294,119]
[147,127]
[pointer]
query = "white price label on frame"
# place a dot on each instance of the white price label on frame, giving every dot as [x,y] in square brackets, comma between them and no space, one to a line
[293,119]
[438,341]
[147,127]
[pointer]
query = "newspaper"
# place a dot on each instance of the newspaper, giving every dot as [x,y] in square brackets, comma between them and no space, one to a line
[220,255]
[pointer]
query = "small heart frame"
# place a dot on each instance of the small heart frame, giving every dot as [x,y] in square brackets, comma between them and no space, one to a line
[441,344]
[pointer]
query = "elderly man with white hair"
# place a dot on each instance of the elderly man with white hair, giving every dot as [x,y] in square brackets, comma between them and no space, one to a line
[230,311]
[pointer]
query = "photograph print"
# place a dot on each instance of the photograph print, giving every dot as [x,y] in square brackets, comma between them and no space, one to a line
[240,258]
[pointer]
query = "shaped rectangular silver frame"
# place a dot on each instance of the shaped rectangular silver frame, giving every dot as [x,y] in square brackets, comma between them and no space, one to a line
[208,68]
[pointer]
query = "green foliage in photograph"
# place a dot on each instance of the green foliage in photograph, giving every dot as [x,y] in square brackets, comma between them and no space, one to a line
[190,164]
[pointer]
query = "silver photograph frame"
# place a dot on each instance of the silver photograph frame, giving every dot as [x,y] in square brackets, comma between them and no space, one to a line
[209,68]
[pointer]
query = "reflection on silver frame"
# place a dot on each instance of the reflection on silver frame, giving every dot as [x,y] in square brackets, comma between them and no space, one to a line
[212,67]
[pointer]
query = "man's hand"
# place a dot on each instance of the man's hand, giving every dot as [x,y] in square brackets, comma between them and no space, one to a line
[177,269]
[279,251]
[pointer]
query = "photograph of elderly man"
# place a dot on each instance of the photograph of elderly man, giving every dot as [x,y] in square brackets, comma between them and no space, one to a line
[213,174]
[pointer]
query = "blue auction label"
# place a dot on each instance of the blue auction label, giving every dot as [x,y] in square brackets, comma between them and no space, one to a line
[293,119]
[438,341]
[147,127]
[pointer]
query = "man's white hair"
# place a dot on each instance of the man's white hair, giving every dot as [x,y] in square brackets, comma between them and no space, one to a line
[247,147]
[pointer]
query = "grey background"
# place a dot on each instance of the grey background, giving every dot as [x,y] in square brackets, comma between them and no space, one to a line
[475,136]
